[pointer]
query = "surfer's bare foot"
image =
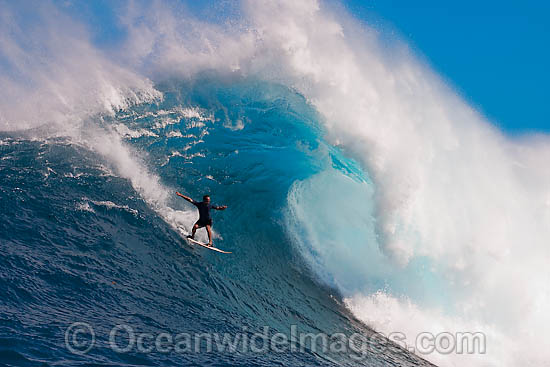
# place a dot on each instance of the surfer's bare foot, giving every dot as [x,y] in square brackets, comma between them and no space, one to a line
[210,244]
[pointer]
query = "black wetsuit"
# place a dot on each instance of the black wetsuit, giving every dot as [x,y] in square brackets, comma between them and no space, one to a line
[204,213]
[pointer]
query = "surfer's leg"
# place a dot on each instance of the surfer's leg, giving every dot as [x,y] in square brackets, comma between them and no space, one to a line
[209,230]
[195,226]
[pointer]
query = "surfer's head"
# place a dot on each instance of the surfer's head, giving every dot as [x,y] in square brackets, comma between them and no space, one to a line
[206,198]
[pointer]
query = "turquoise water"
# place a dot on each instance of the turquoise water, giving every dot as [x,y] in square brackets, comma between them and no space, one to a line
[80,243]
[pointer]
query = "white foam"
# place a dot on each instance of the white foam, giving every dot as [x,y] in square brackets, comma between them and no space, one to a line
[126,132]
[196,113]
[196,117]
[62,83]
[450,189]
[110,205]
[174,134]
[54,75]
[85,206]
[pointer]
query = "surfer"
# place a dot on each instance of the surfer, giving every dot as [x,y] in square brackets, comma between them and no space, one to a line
[205,220]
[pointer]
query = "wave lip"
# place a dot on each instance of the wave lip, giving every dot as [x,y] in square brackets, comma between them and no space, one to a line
[454,199]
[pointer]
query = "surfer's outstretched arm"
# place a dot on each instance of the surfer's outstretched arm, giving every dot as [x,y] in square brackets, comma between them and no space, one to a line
[186,197]
[223,207]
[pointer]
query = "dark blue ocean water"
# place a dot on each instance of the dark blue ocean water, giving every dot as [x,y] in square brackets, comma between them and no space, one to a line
[79,244]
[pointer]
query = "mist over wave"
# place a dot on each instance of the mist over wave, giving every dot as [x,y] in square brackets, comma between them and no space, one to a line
[440,225]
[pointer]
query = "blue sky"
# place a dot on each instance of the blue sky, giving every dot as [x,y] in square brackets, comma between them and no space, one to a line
[496,54]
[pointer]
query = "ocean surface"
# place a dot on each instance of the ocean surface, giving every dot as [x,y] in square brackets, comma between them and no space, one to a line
[374,217]
[80,245]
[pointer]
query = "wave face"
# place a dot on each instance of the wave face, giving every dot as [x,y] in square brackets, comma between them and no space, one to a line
[94,236]
[358,185]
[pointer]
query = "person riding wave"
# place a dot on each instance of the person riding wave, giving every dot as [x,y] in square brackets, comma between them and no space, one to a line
[205,220]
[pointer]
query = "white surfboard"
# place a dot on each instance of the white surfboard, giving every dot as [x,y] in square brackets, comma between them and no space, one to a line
[184,234]
[206,246]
